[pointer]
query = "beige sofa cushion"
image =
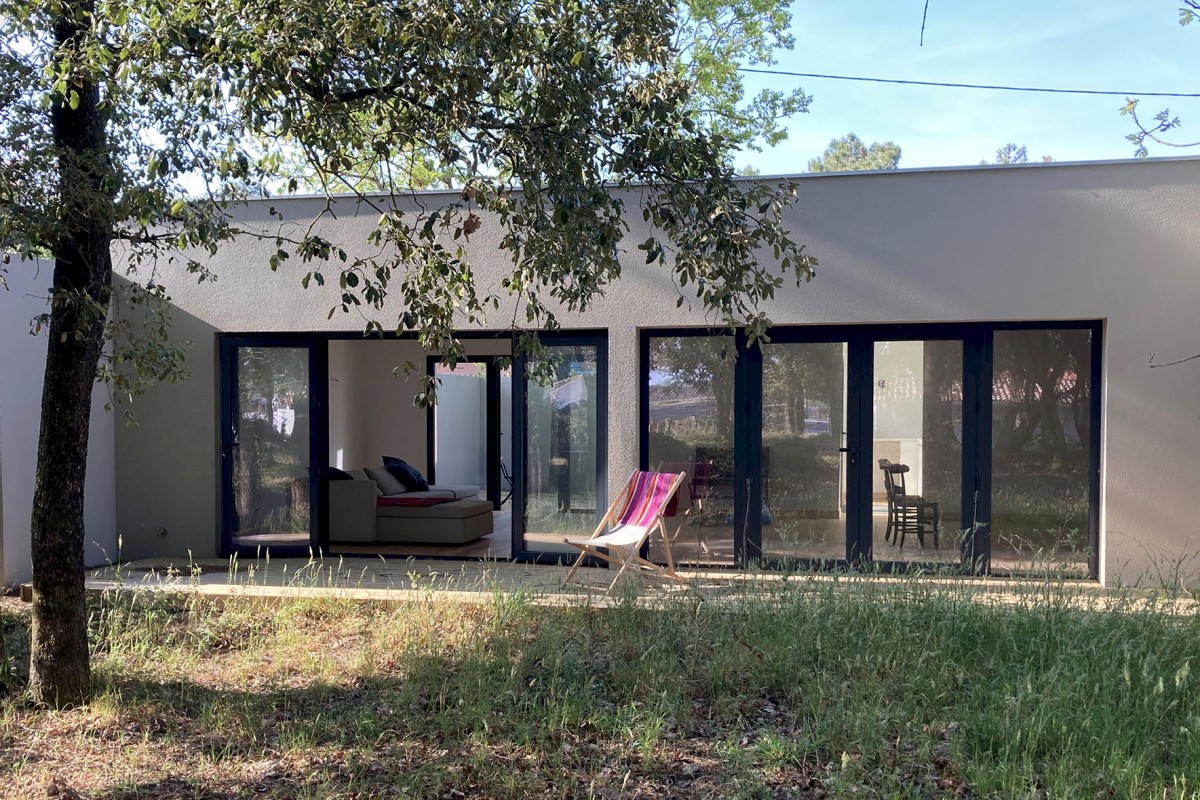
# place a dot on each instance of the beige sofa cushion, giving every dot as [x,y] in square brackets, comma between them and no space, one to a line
[447,492]
[387,482]
[352,511]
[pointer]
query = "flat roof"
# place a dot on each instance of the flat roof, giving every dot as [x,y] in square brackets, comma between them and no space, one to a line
[790,176]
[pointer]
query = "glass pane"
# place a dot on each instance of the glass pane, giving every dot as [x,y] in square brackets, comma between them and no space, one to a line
[917,451]
[691,429]
[506,441]
[561,459]
[1041,412]
[270,467]
[804,474]
[460,425]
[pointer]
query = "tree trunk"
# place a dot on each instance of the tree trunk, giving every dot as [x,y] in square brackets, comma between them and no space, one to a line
[58,670]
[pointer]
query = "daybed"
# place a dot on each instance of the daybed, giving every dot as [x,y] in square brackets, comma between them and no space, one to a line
[374,506]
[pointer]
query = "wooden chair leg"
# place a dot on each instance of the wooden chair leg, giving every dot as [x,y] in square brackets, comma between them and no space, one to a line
[574,567]
[625,562]
[662,529]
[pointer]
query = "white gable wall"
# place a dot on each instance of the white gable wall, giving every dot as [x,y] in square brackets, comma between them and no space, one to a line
[1114,242]
[22,365]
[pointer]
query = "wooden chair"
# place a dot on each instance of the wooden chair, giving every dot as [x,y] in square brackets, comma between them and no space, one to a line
[634,516]
[507,477]
[907,512]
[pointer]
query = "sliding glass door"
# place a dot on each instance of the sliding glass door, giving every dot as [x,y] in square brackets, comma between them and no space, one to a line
[964,447]
[916,450]
[560,430]
[691,429]
[803,458]
[268,450]
[1045,433]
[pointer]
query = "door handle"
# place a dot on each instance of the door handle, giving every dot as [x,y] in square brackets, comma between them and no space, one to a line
[851,454]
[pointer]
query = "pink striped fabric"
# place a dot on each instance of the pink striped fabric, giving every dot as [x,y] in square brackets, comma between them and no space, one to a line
[651,491]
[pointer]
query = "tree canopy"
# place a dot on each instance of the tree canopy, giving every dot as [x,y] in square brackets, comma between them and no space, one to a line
[712,39]
[849,153]
[1013,153]
[141,125]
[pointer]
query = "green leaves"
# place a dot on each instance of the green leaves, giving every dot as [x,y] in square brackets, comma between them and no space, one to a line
[551,112]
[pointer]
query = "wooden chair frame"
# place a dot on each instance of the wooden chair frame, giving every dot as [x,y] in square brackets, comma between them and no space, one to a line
[628,554]
[907,512]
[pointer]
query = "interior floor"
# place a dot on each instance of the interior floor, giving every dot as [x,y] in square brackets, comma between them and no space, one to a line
[825,539]
[273,540]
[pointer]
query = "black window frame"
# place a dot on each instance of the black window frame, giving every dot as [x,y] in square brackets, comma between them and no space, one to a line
[227,433]
[597,338]
[977,375]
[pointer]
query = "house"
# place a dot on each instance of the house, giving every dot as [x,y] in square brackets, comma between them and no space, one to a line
[997,331]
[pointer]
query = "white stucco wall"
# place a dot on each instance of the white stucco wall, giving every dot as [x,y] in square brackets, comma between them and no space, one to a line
[22,365]
[1115,242]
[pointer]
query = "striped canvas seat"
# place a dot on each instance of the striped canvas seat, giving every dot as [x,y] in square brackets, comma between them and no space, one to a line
[634,516]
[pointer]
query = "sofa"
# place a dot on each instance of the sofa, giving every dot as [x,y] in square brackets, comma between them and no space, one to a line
[374,506]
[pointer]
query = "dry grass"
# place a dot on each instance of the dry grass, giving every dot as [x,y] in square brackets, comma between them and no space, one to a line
[870,691]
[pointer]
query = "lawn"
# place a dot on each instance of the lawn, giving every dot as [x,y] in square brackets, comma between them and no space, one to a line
[855,688]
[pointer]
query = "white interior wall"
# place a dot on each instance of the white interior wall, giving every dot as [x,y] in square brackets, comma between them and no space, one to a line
[385,420]
[1109,241]
[460,438]
[899,409]
[506,410]
[371,410]
[22,366]
[343,412]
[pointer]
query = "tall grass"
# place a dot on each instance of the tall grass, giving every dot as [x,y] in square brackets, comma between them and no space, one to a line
[801,687]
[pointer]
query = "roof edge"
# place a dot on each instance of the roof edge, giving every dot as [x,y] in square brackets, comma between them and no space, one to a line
[805,176]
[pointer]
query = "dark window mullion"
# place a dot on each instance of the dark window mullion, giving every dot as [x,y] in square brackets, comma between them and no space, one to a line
[747,444]
[492,399]
[859,426]
[1094,436]
[229,438]
[318,441]
[519,448]
[976,451]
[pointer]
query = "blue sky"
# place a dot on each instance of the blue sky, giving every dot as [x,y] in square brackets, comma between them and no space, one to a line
[1102,44]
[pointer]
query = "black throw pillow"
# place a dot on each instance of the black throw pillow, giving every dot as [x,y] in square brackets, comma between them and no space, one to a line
[335,474]
[405,473]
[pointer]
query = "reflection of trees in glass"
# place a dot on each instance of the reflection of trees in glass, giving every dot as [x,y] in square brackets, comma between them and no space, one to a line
[561,467]
[1043,387]
[691,381]
[1041,441]
[800,380]
[270,473]
[941,425]
[803,399]
[691,429]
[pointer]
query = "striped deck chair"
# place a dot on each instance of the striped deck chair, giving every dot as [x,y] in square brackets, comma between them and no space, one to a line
[636,514]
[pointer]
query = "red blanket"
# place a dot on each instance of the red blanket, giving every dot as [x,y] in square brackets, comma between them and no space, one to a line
[412,502]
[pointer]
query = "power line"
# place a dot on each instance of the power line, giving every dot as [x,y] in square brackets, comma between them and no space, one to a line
[941,85]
